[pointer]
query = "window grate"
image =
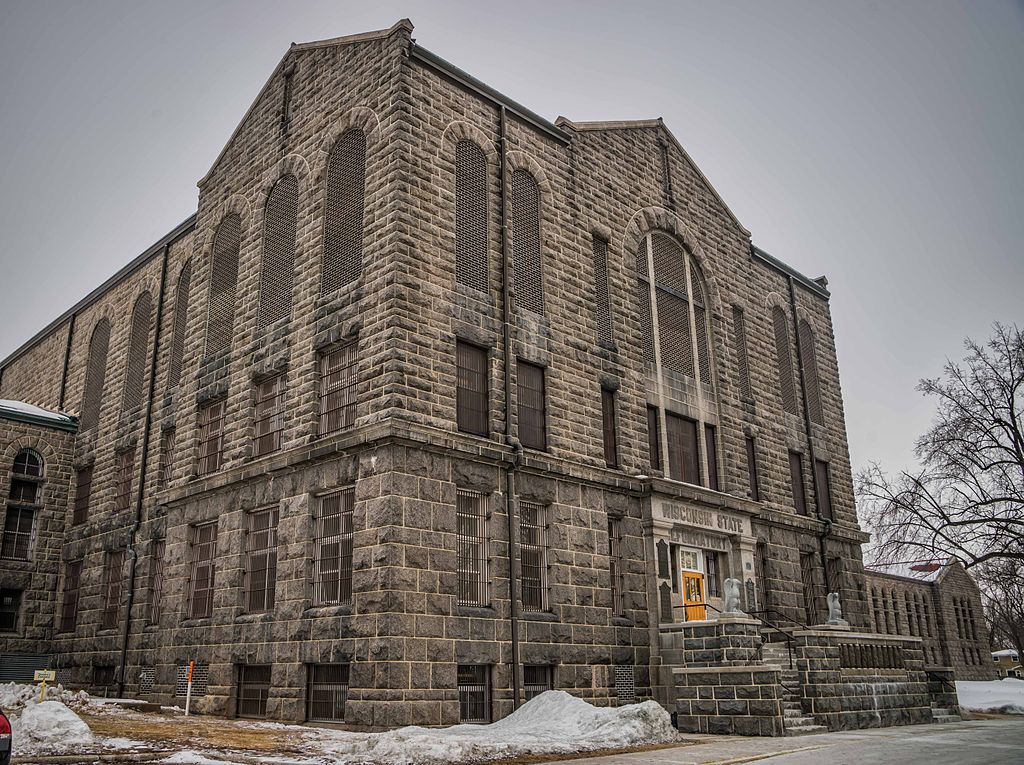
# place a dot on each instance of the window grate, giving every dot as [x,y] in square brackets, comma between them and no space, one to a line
[611,449]
[211,436]
[277,278]
[823,485]
[537,678]
[69,605]
[787,386]
[112,585]
[95,372]
[602,304]
[327,692]
[180,326]
[204,554]
[261,561]
[338,378]
[472,542]
[471,393]
[796,477]
[17,539]
[200,679]
[138,346]
[28,463]
[674,333]
[83,489]
[125,474]
[332,563]
[700,323]
[10,606]
[163,476]
[220,319]
[532,411]
[754,484]
[711,455]
[683,458]
[739,331]
[669,263]
[646,320]
[625,684]
[653,438]
[615,563]
[533,555]
[474,681]
[344,211]
[253,690]
[156,579]
[147,680]
[524,209]
[268,420]
[471,251]
[712,574]
[809,362]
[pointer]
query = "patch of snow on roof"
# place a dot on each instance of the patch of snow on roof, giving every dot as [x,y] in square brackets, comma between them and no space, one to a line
[922,571]
[21,407]
[1012,653]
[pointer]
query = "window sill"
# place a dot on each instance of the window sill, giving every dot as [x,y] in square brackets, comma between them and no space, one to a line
[198,621]
[479,612]
[622,621]
[254,618]
[325,611]
[538,616]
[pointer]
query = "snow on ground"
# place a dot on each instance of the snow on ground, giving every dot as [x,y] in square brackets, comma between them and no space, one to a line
[1005,696]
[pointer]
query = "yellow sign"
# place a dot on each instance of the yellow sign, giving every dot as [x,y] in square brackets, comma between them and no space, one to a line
[45,675]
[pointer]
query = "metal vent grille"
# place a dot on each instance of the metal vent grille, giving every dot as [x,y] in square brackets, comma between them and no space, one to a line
[625,684]
[787,386]
[138,345]
[674,333]
[180,325]
[646,322]
[344,209]
[200,679]
[147,679]
[220,319]
[739,333]
[279,226]
[470,215]
[641,259]
[669,263]
[602,306]
[700,318]
[809,362]
[525,213]
[95,372]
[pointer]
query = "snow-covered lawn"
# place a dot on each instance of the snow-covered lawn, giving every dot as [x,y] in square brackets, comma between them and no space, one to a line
[1005,696]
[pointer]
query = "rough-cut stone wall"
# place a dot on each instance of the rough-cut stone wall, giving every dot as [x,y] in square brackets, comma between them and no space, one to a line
[35,377]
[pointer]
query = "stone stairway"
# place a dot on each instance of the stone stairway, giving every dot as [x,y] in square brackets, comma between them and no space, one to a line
[944,715]
[796,721]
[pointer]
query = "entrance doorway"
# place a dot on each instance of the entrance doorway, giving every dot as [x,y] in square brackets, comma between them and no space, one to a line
[693,596]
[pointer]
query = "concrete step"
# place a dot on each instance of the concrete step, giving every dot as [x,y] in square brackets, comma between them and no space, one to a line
[791,714]
[946,718]
[805,730]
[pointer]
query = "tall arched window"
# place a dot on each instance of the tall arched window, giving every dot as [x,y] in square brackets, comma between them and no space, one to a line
[524,209]
[787,385]
[180,324]
[470,215]
[809,362]
[277,277]
[95,375]
[138,346]
[344,211]
[26,474]
[220,318]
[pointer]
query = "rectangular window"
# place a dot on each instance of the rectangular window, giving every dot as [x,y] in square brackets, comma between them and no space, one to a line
[261,560]
[653,438]
[711,452]
[474,693]
[537,678]
[338,370]
[532,414]
[10,606]
[17,539]
[326,692]
[533,555]
[611,449]
[807,578]
[471,393]
[796,476]
[824,488]
[602,306]
[103,676]
[83,489]
[332,550]
[471,524]
[268,415]
[125,474]
[742,362]
[755,488]
[204,554]
[23,492]
[69,605]
[683,462]
[253,690]
[615,562]
[156,579]
[166,458]
[112,582]
[211,436]
[712,574]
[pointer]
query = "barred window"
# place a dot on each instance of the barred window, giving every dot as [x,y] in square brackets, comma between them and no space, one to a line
[10,606]
[823,485]
[532,413]
[787,385]
[646,320]
[739,334]
[338,377]
[280,222]
[326,692]
[180,326]
[471,393]
[603,303]
[112,583]
[204,556]
[755,488]
[711,454]
[17,538]
[533,554]
[524,214]
[166,466]
[268,417]
[653,438]
[807,577]
[611,449]
[69,603]
[537,678]
[683,457]
[28,463]
[473,539]
[712,574]
[615,562]
[344,211]
[474,682]
[95,373]
[332,561]
[211,436]
[25,474]
[156,579]
[809,363]
[261,560]
[138,347]
[796,476]
[125,474]
[471,251]
[253,690]
[220,318]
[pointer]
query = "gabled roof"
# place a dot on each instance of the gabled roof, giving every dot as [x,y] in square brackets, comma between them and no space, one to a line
[19,411]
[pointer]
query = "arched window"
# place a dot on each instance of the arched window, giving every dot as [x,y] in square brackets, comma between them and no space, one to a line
[470,215]
[787,385]
[138,346]
[344,211]
[26,473]
[809,362]
[524,209]
[220,319]
[278,274]
[180,325]
[95,374]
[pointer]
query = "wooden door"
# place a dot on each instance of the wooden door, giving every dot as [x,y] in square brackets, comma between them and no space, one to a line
[693,596]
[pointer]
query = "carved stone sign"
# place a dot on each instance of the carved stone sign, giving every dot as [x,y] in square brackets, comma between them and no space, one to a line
[724,523]
[700,539]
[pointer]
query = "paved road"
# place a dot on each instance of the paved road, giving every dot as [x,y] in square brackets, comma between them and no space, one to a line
[982,742]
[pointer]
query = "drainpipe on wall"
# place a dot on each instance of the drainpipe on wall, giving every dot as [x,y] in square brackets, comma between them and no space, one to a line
[67,361]
[133,553]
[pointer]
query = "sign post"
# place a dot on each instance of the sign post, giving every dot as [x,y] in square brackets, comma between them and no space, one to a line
[188,691]
[44,675]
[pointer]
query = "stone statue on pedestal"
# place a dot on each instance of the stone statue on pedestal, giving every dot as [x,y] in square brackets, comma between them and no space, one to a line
[732,597]
[835,610]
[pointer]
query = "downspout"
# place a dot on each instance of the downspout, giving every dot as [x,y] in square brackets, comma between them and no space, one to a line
[132,550]
[511,501]
[67,361]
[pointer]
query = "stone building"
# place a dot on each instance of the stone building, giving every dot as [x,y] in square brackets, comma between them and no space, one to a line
[938,602]
[435,404]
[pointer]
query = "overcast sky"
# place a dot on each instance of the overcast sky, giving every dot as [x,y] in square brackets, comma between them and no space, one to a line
[880,144]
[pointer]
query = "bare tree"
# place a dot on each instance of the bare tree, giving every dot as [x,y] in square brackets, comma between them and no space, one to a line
[1002,585]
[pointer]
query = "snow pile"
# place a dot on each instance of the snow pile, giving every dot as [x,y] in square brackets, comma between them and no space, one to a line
[554,722]
[1005,696]
[15,696]
[50,723]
